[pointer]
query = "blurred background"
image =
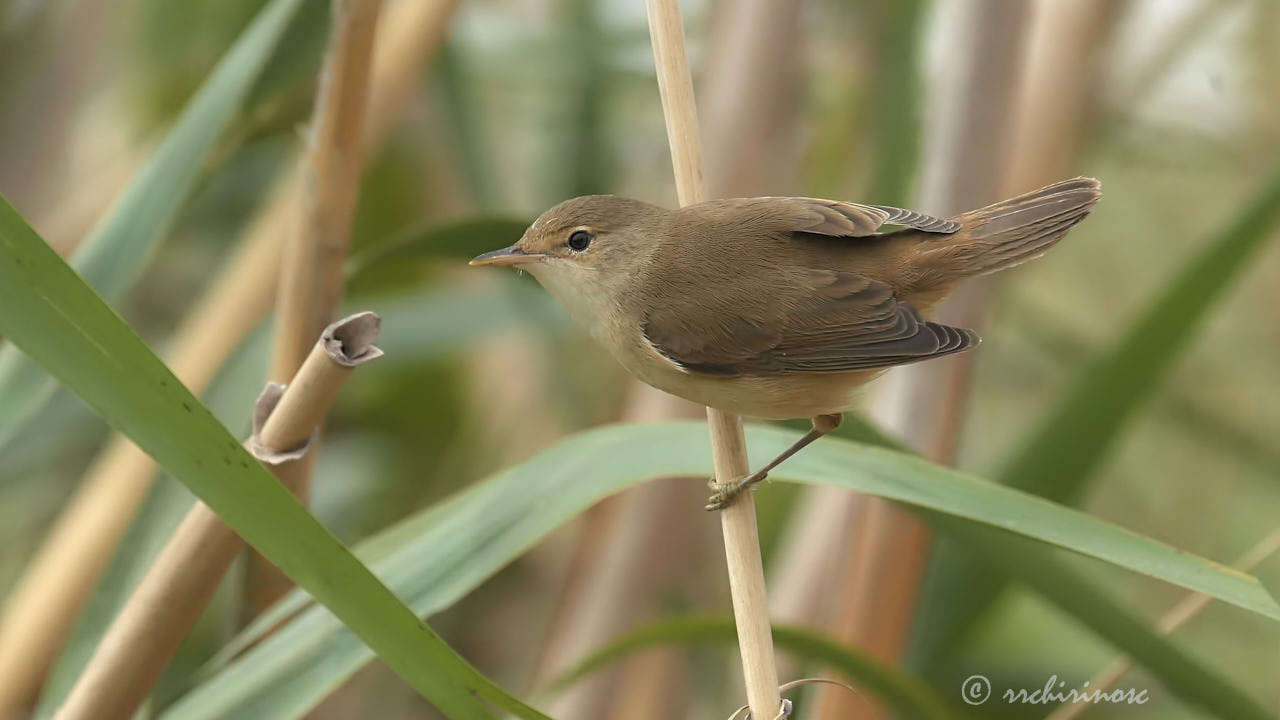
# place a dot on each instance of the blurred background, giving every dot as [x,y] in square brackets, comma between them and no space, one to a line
[509,106]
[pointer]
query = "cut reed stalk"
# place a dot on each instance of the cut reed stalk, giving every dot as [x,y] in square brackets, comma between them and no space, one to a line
[38,613]
[166,604]
[728,444]
[311,279]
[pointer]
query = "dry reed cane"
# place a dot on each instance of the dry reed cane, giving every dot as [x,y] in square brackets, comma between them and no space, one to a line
[924,404]
[169,600]
[311,278]
[728,444]
[39,612]
[1041,125]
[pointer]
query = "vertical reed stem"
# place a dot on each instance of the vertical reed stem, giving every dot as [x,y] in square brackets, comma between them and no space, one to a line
[311,280]
[311,277]
[728,445]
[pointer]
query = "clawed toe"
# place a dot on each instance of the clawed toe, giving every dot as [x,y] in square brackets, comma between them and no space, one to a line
[719,500]
[723,495]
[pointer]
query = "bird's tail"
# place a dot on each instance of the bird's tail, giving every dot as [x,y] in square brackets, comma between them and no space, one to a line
[1010,232]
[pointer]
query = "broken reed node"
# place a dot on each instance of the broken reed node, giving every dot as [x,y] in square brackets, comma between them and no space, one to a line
[144,636]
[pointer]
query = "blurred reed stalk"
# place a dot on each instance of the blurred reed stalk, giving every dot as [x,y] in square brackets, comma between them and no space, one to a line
[624,555]
[40,611]
[144,636]
[1177,616]
[625,550]
[816,541]
[728,444]
[1172,47]
[311,279]
[311,274]
[1007,126]
[964,167]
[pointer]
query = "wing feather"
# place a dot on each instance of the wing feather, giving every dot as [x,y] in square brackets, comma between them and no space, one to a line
[832,218]
[842,324]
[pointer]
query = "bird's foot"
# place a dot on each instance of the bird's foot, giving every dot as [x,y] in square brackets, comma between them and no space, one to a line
[723,495]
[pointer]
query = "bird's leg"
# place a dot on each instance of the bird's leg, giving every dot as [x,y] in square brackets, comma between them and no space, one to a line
[722,495]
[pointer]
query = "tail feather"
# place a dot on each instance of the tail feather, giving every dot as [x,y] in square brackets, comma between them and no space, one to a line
[1010,232]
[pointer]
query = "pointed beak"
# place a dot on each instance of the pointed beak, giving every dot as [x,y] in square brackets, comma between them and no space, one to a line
[507,256]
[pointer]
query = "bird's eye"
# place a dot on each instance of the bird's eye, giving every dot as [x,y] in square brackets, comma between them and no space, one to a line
[579,240]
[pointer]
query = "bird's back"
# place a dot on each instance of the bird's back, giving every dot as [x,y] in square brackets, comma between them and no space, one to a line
[762,307]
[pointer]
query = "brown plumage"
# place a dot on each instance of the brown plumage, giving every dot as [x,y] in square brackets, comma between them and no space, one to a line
[777,307]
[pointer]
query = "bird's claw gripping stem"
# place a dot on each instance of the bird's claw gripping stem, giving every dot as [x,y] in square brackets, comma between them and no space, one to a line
[723,495]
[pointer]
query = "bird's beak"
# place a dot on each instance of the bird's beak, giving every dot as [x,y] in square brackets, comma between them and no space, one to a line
[507,256]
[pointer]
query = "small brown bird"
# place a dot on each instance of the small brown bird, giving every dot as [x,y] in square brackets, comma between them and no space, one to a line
[777,307]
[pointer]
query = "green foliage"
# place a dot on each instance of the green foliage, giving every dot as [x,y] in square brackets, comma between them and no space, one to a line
[433,559]
[895,31]
[902,692]
[1068,446]
[54,317]
[113,254]
[396,263]
[230,397]
[170,65]
[1038,568]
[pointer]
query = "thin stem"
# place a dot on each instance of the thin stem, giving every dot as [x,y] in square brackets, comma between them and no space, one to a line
[728,445]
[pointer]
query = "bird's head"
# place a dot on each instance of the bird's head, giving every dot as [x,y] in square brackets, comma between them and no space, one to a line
[584,247]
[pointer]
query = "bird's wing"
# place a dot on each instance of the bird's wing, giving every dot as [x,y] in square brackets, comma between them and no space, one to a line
[830,217]
[826,322]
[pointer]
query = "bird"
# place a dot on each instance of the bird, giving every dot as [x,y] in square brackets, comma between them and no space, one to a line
[777,307]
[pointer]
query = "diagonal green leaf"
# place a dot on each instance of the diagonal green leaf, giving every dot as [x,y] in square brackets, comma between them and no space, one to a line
[416,327]
[1037,567]
[1060,343]
[903,692]
[1063,451]
[1068,446]
[436,557]
[115,251]
[54,317]
[230,397]
[1179,672]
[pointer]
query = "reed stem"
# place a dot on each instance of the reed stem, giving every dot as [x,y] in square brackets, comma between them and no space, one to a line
[728,445]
